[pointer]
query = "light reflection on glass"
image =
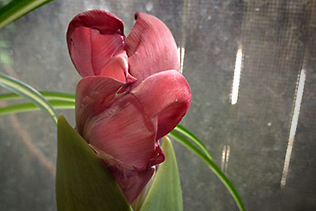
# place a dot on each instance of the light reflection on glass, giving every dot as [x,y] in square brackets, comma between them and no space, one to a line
[181,52]
[297,106]
[225,158]
[236,80]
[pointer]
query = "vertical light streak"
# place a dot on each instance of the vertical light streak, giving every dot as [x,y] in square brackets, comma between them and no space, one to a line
[181,52]
[225,158]
[236,80]
[297,106]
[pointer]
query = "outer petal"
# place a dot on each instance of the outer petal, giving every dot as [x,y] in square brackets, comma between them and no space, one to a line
[125,133]
[93,37]
[128,138]
[150,47]
[116,127]
[165,95]
[116,124]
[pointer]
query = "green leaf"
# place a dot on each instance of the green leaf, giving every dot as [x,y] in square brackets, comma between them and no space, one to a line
[186,133]
[17,8]
[230,187]
[165,192]
[82,181]
[10,96]
[58,100]
[23,107]
[28,93]
[48,96]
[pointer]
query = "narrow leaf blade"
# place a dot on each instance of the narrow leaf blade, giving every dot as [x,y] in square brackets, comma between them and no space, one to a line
[17,8]
[216,170]
[59,96]
[47,95]
[23,107]
[28,93]
[190,136]
[82,181]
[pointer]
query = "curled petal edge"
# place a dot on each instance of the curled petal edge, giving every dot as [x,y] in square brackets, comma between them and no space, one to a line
[169,99]
[87,35]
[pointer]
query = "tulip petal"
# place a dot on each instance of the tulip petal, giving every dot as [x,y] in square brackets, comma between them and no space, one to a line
[93,37]
[125,133]
[123,137]
[129,140]
[165,95]
[93,96]
[117,68]
[150,47]
[116,124]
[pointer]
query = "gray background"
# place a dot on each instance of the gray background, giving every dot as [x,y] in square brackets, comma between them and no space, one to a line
[247,140]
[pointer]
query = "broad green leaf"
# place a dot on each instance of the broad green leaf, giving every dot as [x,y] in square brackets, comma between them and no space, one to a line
[82,181]
[17,8]
[212,165]
[165,192]
[28,93]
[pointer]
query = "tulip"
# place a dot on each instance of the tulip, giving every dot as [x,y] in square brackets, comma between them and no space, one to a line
[131,94]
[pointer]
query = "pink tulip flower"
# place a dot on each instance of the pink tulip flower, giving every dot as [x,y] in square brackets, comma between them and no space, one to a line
[131,94]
